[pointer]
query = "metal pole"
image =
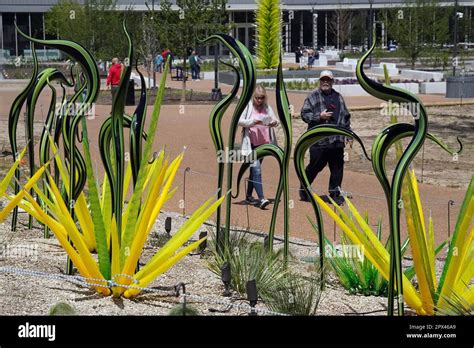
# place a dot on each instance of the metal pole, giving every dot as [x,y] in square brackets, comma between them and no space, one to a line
[326,29]
[450,204]
[371,31]
[350,31]
[301,29]
[247,206]
[16,38]
[29,29]
[184,190]
[1,29]
[455,46]
[315,30]
[216,91]
[290,18]
[44,31]
[153,61]
[422,161]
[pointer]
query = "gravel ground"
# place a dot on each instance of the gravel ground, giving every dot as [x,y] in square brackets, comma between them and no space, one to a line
[26,295]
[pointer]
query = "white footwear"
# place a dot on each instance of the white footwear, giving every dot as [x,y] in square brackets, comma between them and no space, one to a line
[263,203]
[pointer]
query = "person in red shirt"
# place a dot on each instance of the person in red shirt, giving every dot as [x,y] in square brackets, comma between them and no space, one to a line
[113,78]
[165,54]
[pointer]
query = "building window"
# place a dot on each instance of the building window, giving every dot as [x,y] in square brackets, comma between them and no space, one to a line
[22,21]
[37,25]
[9,33]
[240,17]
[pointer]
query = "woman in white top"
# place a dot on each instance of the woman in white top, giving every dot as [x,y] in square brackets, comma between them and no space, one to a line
[258,122]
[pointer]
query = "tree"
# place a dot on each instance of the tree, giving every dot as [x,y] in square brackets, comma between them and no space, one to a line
[148,44]
[420,28]
[340,27]
[358,28]
[269,22]
[96,24]
[183,29]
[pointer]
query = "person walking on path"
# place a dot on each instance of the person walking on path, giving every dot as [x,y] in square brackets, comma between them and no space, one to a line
[298,54]
[195,63]
[303,58]
[158,62]
[326,106]
[113,78]
[257,121]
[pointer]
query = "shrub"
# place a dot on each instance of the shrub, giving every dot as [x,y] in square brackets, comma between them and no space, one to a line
[248,261]
[295,295]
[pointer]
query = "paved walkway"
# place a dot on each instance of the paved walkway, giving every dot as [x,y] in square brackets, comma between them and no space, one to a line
[188,126]
[297,98]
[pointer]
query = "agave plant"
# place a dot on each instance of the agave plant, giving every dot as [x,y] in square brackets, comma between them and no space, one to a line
[87,222]
[268,21]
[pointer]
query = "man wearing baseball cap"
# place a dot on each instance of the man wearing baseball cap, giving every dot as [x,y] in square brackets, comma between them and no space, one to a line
[326,106]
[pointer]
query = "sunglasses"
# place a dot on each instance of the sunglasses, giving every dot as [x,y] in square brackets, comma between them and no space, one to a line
[259,98]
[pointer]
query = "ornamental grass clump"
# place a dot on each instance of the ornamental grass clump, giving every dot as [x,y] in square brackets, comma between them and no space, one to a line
[280,287]
[295,294]
[248,260]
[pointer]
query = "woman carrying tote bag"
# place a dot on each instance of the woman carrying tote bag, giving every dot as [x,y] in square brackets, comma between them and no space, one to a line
[258,121]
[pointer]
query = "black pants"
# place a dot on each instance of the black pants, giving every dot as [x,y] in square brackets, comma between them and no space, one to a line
[114,90]
[318,158]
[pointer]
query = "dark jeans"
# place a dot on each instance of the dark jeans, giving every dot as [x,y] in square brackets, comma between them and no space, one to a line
[255,180]
[195,72]
[318,158]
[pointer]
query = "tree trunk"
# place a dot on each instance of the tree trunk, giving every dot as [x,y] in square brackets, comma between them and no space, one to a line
[183,89]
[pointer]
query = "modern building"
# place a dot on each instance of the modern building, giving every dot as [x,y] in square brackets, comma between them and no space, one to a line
[313,23]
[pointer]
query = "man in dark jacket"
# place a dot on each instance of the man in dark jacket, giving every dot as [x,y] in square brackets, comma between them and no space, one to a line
[326,106]
[195,63]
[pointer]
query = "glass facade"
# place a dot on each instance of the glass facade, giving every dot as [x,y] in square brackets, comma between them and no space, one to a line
[299,29]
[23,22]
[9,38]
